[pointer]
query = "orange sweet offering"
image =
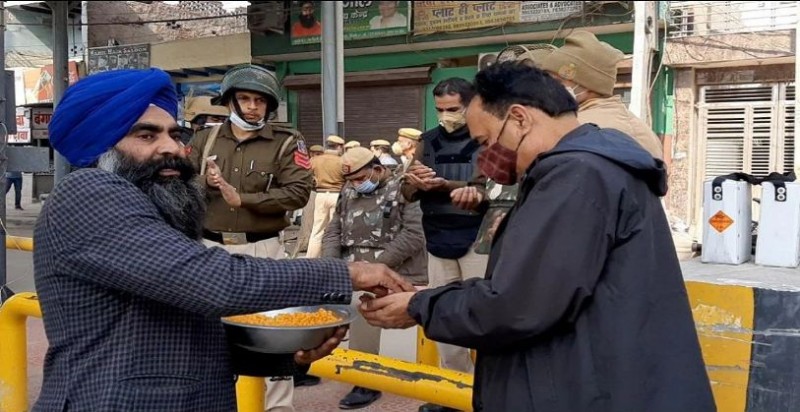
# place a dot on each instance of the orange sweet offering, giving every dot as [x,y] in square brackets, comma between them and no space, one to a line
[299,319]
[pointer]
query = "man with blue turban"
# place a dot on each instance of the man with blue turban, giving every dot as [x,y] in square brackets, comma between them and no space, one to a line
[131,298]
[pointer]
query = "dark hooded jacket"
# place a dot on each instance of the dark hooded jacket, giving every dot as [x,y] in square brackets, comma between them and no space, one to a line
[583,307]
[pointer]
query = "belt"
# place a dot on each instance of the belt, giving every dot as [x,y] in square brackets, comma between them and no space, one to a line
[327,190]
[249,236]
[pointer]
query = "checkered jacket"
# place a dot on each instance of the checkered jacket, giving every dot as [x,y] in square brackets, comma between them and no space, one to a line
[132,306]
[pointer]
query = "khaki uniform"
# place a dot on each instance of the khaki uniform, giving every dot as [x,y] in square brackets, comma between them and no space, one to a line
[611,113]
[270,184]
[329,181]
[379,227]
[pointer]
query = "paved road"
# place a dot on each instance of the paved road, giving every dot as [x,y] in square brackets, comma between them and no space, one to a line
[321,398]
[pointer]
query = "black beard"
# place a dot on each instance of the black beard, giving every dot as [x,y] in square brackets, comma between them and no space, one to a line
[179,199]
[308,21]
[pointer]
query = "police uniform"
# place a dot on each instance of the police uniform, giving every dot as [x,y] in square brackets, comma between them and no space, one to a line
[385,158]
[269,171]
[329,181]
[378,227]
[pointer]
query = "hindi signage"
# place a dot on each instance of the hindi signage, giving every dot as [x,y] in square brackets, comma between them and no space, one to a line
[103,59]
[362,20]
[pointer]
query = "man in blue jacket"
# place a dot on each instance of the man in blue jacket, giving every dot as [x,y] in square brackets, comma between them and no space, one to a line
[583,307]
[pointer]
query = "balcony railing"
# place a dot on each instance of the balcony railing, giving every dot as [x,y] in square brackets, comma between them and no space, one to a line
[702,18]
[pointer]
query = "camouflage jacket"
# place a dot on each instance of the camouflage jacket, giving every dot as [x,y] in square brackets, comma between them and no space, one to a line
[379,227]
[500,199]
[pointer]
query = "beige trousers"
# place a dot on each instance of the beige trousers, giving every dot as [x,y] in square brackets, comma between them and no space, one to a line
[440,273]
[363,336]
[280,390]
[324,209]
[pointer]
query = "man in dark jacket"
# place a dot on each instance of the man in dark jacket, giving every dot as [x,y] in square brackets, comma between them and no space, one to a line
[583,307]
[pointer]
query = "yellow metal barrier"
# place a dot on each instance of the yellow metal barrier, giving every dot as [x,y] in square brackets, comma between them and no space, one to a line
[19,243]
[422,382]
[426,349]
[14,350]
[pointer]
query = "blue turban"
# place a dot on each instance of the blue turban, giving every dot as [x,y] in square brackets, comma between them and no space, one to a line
[99,110]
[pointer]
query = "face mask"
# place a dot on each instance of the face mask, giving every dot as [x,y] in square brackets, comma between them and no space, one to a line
[452,121]
[498,162]
[244,124]
[571,91]
[367,186]
[397,148]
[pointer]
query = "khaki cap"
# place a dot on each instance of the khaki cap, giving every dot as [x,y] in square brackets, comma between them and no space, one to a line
[586,61]
[351,144]
[200,106]
[410,133]
[380,142]
[316,149]
[333,139]
[356,159]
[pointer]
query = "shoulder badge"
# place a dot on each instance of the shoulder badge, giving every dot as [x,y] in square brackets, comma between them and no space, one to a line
[301,155]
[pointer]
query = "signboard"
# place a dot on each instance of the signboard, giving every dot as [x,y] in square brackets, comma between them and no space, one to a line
[443,16]
[38,83]
[538,11]
[103,59]
[40,122]
[23,127]
[362,20]
[447,16]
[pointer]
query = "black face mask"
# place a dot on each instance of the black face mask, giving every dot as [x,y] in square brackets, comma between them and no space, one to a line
[308,21]
[179,199]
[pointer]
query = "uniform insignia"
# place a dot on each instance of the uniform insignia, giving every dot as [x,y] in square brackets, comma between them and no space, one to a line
[301,159]
[567,71]
[346,169]
[301,147]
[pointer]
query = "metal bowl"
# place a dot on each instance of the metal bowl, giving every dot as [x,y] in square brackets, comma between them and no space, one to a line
[287,339]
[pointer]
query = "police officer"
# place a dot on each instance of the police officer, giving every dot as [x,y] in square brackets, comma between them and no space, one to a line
[255,174]
[382,150]
[201,113]
[316,150]
[351,144]
[448,162]
[374,223]
[407,145]
[335,143]
[329,181]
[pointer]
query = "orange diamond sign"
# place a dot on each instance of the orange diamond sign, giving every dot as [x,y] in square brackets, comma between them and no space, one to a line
[720,221]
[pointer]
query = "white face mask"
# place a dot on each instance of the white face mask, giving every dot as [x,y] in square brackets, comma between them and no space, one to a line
[243,124]
[397,148]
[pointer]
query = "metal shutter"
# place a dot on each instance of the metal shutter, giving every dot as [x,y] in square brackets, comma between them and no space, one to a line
[370,113]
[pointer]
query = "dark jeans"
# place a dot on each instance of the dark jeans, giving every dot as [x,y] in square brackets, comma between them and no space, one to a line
[17,182]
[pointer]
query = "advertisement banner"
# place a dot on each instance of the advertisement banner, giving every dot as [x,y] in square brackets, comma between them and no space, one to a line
[444,16]
[136,56]
[38,83]
[23,127]
[362,20]
[538,11]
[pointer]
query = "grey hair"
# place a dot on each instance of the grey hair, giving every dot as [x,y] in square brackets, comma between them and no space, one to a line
[110,161]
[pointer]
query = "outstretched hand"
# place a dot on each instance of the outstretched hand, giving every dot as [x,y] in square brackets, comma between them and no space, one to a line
[377,278]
